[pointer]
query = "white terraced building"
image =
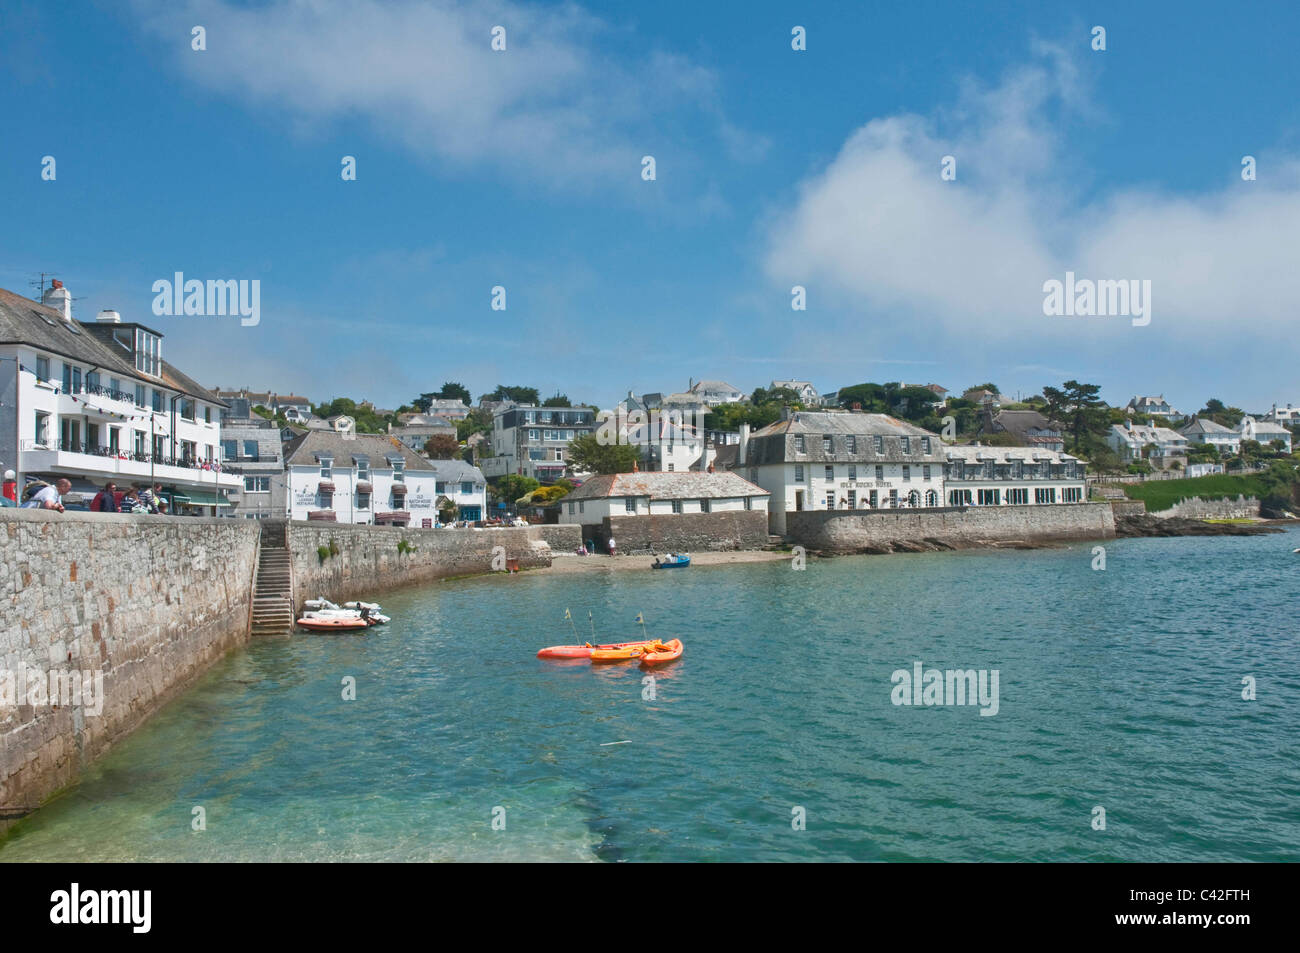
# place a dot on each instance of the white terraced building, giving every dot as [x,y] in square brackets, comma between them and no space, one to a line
[1264,432]
[95,402]
[358,478]
[1207,432]
[842,461]
[1012,476]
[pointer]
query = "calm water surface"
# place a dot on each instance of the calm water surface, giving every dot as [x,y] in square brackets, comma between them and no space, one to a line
[1119,688]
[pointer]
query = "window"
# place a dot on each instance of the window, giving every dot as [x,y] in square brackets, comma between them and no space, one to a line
[1018,496]
[853,471]
[706,506]
[830,473]
[677,506]
[1071,494]
[749,502]
[828,443]
[157,400]
[798,443]
[159,446]
[959,497]
[42,429]
[207,414]
[326,468]
[536,453]
[399,470]
[907,472]
[629,504]
[363,500]
[879,444]
[187,409]
[906,443]
[851,444]
[69,434]
[989,497]
[229,449]
[580,506]
[92,381]
[71,379]
[534,435]
[559,453]
[925,444]
[798,473]
[1045,494]
[139,395]
[467,488]
[363,470]
[137,442]
[880,472]
[570,509]
[925,472]
[114,440]
[257,484]
[42,368]
[187,451]
[250,450]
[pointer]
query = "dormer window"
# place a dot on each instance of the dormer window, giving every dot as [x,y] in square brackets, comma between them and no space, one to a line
[148,352]
[326,467]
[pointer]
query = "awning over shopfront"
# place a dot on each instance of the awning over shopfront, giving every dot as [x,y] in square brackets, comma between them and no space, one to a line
[202,498]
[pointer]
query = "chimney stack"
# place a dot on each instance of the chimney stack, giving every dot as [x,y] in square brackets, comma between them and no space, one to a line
[742,451]
[57,297]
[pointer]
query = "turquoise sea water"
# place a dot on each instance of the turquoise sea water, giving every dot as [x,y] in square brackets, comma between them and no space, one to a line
[1119,688]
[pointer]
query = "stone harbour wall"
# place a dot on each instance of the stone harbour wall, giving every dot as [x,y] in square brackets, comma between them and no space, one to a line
[857,531]
[146,603]
[685,532]
[365,560]
[1243,507]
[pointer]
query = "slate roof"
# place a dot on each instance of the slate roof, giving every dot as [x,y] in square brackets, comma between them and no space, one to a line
[1018,423]
[269,446]
[302,449]
[458,471]
[973,454]
[776,443]
[683,485]
[1200,425]
[24,321]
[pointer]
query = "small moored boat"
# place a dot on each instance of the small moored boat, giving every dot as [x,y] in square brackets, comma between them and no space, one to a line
[619,653]
[671,561]
[662,652]
[314,623]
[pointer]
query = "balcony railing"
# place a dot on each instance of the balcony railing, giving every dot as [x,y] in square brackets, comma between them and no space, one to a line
[97,450]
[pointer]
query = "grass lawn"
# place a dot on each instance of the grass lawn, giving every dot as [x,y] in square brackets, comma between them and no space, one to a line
[1162,494]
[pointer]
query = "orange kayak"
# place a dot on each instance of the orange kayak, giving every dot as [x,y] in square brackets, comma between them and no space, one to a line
[585,651]
[619,653]
[662,652]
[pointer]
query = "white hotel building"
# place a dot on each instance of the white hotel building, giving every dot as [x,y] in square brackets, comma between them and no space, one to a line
[96,402]
[358,478]
[842,461]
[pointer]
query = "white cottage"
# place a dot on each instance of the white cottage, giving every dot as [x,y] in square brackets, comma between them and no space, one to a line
[358,478]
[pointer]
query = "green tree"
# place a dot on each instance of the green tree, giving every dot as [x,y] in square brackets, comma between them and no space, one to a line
[512,486]
[520,395]
[556,400]
[477,421]
[1078,406]
[586,453]
[454,390]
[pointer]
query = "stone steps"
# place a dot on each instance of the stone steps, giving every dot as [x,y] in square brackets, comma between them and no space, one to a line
[272,603]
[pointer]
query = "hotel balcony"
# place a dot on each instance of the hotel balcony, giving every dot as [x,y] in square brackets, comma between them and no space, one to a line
[99,464]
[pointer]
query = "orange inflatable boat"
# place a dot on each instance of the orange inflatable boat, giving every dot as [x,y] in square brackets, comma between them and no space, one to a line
[662,652]
[335,624]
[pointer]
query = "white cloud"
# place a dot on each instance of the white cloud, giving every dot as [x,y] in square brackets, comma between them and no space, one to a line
[878,229]
[555,106]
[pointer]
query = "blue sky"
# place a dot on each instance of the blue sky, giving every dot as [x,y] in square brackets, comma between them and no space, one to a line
[774,168]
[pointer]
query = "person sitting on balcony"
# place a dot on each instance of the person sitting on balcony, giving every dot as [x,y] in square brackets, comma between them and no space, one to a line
[105,500]
[48,497]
